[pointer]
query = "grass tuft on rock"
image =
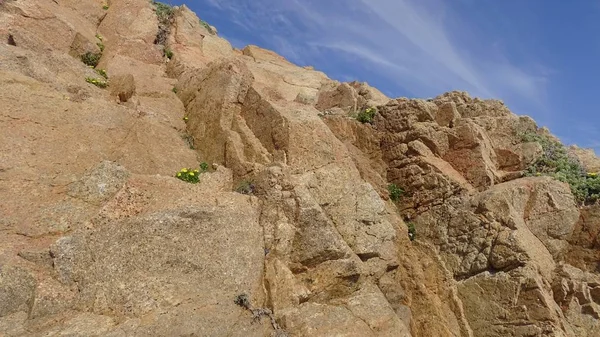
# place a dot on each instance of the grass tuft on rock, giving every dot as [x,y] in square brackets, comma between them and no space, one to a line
[246,187]
[395,192]
[207,26]
[412,231]
[168,53]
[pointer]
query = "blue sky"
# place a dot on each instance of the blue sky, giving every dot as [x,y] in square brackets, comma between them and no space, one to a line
[541,57]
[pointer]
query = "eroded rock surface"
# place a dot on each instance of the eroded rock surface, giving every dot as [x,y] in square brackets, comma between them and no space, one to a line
[99,238]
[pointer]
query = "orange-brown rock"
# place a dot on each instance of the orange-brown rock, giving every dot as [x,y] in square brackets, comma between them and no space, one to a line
[99,237]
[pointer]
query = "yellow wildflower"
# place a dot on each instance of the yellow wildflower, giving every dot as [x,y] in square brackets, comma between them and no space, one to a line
[592,174]
[179,174]
[538,174]
[192,173]
[184,170]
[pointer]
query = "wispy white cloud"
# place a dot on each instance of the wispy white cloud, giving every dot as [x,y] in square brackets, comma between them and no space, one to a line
[364,53]
[413,43]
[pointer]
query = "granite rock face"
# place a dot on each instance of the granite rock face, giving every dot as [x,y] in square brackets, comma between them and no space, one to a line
[291,230]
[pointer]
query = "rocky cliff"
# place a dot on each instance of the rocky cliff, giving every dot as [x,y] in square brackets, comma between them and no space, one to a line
[326,208]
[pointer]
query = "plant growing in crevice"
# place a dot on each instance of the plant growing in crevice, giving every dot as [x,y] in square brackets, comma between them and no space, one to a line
[91,59]
[102,73]
[412,231]
[174,90]
[556,162]
[165,14]
[207,26]
[246,187]
[204,166]
[189,175]
[97,82]
[168,53]
[395,192]
[366,115]
[164,11]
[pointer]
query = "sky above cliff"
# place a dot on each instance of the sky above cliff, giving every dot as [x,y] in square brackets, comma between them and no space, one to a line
[541,57]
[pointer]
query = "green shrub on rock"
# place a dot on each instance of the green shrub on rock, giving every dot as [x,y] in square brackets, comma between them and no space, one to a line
[556,162]
[189,175]
[395,192]
[367,115]
[91,59]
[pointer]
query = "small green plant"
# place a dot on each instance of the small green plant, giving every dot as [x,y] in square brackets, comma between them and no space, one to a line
[97,82]
[105,7]
[556,162]
[102,73]
[174,90]
[164,12]
[91,59]
[246,187]
[189,175]
[412,231]
[168,53]
[101,46]
[204,167]
[207,26]
[395,192]
[367,115]
[99,37]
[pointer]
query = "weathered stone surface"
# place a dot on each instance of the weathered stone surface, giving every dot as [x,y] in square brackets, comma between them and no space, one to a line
[587,157]
[17,287]
[122,86]
[129,29]
[501,305]
[84,324]
[99,237]
[192,46]
[82,45]
[144,263]
[99,184]
[583,252]
[51,298]
[578,295]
